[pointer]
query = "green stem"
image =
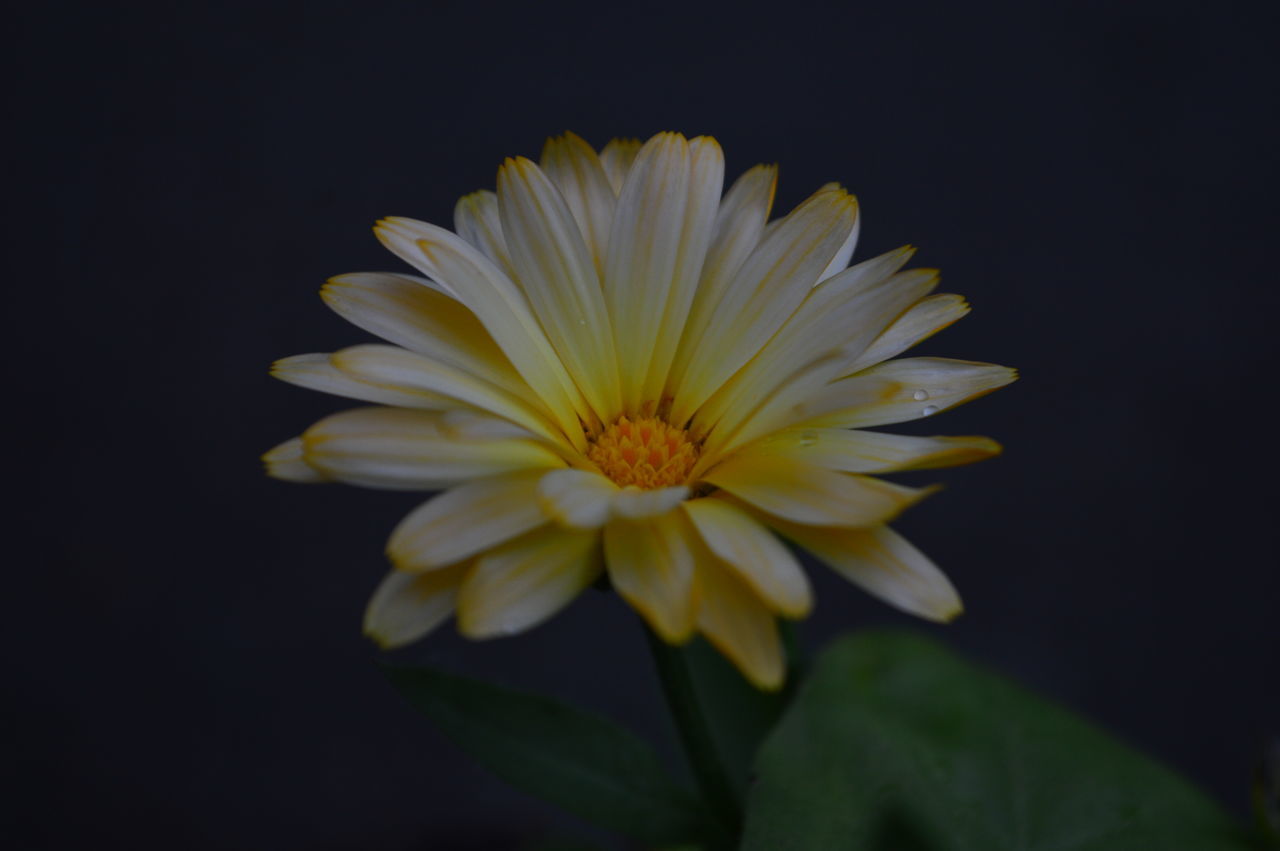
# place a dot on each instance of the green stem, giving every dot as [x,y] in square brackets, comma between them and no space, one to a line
[695,734]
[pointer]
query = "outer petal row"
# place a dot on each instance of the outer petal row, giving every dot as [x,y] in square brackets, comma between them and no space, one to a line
[711,566]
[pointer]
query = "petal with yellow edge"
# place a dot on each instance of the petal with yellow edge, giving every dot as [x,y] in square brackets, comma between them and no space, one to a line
[884,564]
[467,520]
[523,582]
[407,606]
[813,495]
[853,451]
[401,449]
[925,318]
[754,553]
[739,625]
[902,390]
[286,462]
[651,564]
[316,371]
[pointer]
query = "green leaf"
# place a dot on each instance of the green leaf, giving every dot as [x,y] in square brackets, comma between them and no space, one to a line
[896,744]
[579,761]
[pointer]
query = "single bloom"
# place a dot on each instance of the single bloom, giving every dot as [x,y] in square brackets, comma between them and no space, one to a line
[609,366]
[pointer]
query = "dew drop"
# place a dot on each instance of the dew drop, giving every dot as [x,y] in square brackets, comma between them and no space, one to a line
[920,395]
[929,410]
[808,438]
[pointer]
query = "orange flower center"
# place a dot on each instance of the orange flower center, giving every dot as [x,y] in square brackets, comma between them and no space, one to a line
[645,452]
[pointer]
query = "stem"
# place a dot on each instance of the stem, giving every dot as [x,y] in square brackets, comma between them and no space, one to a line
[695,734]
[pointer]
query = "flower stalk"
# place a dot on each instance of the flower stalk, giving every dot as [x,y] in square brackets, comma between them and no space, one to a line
[694,728]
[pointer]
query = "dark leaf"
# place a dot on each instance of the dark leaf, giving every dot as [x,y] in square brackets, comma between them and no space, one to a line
[582,762]
[896,744]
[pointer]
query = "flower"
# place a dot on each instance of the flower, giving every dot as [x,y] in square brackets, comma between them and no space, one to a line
[608,367]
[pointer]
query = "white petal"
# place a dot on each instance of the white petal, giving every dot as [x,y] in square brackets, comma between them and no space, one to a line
[616,159]
[402,310]
[407,606]
[740,626]
[739,223]
[499,305]
[559,277]
[776,411]
[467,520]
[805,493]
[841,261]
[634,503]
[286,462]
[577,499]
[901,390]
[843,314]
[754,553]
[706,180]
[923,320]
[644,251]
[870,451]
[885,564]
[415,450]
[651,564]
[401,369]
[317,372]
[524,582]
[764,293]
[476,219]
[575,169]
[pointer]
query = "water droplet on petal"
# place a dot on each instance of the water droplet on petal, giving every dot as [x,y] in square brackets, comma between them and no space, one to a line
[929,410]
[808,438]
[920,395]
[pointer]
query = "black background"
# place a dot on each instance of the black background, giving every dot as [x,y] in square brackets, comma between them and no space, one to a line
[183,642]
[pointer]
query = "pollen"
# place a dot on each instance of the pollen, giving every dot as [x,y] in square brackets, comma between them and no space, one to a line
[645,452]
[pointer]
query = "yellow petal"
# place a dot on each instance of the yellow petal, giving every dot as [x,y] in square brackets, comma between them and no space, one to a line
[286,462]
[467,520]
[739,625]
[407,606]
[884,564]
[651,565]
[524,582]
[870,451]
[805,493]
[754,554]
[418,450]
[559,277]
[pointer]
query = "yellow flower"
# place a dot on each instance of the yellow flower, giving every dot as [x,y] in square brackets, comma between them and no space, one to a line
[608,367]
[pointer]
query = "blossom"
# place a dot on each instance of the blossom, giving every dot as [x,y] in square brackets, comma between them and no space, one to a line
[609,367]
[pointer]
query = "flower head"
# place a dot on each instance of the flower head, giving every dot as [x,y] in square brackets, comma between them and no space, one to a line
[609,367]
